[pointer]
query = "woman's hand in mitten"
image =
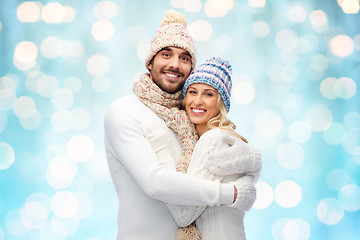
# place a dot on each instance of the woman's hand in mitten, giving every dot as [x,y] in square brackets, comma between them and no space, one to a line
[246,193]
[238,158]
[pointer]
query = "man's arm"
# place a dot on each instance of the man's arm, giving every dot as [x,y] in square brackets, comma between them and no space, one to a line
[128,145]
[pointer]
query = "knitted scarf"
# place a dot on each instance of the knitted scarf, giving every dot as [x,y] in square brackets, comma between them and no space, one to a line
[166,106]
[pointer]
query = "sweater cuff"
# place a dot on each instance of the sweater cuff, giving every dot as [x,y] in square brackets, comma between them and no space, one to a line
[226,193]
[255,156]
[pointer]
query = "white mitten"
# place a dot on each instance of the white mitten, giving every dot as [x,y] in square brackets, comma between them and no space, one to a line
[246,193]
[159,141]
[238,158]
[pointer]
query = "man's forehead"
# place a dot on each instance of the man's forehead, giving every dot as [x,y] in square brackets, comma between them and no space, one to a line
[176,49]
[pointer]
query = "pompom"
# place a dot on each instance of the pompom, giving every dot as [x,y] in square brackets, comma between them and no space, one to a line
[172,16]
[221,61]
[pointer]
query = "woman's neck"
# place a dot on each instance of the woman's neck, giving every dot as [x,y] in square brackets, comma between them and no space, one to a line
[201,129]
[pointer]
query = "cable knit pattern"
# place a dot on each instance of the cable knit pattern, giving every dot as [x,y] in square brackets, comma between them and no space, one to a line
[166,106]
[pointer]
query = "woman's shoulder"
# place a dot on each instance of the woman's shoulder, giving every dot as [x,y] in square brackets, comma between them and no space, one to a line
[214,134]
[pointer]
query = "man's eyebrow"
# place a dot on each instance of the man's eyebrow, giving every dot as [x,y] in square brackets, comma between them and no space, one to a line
[166,49]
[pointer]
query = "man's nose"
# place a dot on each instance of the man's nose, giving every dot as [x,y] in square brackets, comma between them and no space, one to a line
[175,62]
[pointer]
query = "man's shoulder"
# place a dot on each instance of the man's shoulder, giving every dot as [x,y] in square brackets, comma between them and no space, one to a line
[125,100]
[129,106]
[124,104]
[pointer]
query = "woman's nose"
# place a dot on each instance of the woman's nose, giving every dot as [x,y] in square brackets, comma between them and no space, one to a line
[198,100]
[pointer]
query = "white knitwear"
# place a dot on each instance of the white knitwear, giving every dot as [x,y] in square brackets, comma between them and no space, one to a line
[142,183]
[215,141]
[240,157]
[246,193]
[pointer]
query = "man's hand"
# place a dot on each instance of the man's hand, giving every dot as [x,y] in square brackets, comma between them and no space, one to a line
[235,194]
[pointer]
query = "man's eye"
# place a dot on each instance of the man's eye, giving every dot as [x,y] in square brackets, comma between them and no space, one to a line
[185,59]
[166,55]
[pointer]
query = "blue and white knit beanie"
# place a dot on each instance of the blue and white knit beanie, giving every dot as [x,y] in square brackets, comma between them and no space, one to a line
[215,72]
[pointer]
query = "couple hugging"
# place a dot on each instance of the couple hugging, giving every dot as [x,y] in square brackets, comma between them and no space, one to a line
[179,168]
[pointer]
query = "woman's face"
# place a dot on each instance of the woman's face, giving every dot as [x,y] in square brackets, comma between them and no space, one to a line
[201,105]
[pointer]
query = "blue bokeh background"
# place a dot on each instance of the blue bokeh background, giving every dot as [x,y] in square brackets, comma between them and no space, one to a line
[296,71]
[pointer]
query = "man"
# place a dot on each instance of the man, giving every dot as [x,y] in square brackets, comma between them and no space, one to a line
[142,183]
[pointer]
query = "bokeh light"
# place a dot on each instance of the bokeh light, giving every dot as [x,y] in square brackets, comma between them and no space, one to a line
[298,14]
[299,132]
[264,196]
[29,11]
[200,30]
[341,45]
[286,39]
[218,8]
[290,155]
[288,194]
[319,117]
[102,30]
[53,12]
[268,123]
[261,29]
[319,21]
[295,96]
[98,65]
[25,55]
[7,155]
[106,10]
[330,211]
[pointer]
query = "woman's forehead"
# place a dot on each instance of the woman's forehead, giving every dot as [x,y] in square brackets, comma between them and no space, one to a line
[202,86]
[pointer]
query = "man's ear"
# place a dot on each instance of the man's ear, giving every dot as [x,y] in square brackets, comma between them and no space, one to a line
[149,66]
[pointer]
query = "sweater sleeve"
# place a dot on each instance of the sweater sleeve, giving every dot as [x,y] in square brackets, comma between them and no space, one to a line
[124,139]
[185,215]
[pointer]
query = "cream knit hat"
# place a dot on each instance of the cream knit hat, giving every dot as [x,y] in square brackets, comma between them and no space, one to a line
[172,33]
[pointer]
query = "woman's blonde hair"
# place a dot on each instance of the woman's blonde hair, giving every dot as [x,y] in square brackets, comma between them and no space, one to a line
[223,122]
[220,120]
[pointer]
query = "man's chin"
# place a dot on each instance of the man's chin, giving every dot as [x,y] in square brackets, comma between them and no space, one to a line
[170,90]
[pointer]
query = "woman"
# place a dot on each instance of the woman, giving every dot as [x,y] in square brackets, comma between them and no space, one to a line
[206,102]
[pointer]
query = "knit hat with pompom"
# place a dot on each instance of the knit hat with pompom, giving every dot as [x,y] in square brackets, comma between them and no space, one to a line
[216,72]
[172,33]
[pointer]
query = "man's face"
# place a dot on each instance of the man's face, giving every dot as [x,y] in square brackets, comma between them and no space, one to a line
[170,68]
